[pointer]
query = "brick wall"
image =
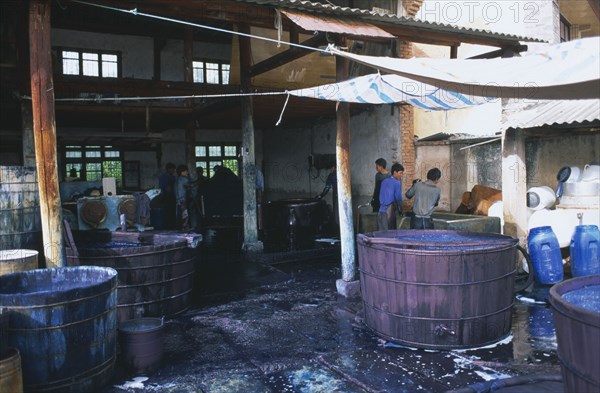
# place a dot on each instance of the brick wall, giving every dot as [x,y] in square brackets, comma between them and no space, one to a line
[407,124]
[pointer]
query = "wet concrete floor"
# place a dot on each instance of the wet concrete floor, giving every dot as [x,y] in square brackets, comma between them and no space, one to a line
[284,328]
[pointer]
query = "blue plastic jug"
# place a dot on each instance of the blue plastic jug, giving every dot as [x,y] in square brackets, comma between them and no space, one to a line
[585,260]
[544,251]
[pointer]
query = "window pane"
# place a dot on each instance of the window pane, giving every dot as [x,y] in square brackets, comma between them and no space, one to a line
[111,154]
[110,66]
[225,74]
[211,166]
[198,68]
[214,151]
[93,171]
[231,164]
[212,73]
[200,151]
[113,169]
[90,64]
[76,167]
[230,151]
[73,154]
[92,154]
[70,63]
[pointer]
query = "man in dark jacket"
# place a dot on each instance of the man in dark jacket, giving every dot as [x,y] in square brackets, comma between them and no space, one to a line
[380,176]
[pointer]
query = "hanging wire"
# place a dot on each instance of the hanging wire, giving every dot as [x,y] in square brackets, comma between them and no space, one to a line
[283,110]
[138,13]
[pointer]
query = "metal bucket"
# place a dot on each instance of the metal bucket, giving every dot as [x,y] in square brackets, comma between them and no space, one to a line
[430,288]
[155,272]
[20,224]
[576,308]
[293,224]
[11,379]
[13,261]
[141,343]
[63,322]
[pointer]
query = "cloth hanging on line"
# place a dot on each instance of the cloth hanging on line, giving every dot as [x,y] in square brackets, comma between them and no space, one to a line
[570,70]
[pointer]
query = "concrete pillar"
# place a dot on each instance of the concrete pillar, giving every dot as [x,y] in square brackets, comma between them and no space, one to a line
[514,185]
[347,286]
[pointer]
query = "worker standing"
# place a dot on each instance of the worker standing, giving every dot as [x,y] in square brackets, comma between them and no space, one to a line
[427,197]
[390,199]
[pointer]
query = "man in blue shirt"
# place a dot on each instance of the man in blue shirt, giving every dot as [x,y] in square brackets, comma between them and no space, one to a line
[390,199]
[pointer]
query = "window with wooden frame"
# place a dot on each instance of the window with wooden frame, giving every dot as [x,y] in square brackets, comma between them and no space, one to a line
[211,71]
[210,154]
[92,163]
[87,62]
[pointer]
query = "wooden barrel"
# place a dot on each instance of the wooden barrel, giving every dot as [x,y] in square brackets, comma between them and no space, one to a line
[13,261]
[11,379]
[576,308]
[155,272]
[431,288]
[63,322]
[20,223]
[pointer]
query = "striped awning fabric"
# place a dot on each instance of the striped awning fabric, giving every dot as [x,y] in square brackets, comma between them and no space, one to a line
[389,89]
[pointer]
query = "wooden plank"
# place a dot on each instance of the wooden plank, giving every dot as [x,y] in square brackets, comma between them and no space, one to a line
[344,189]
[44,128]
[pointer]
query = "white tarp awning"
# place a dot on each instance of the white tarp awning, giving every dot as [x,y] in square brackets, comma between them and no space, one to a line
[570,70]
[389,89]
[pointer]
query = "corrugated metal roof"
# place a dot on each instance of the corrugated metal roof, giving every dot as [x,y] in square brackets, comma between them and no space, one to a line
[335,25]
[551,113]
[394,19]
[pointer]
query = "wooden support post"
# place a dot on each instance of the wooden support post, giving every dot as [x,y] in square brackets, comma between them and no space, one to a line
[514,185]
[342,150]
[454,51]
[44,129]
[188,76]
[27,130]
[251,242]
[159,43]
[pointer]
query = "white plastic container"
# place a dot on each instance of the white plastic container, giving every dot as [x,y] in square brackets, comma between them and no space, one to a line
[540,198]
[591,173]
[575,175]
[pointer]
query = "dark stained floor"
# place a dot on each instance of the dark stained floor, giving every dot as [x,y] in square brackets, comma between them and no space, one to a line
[284,328]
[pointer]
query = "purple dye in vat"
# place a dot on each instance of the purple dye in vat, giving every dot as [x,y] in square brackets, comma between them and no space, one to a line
[112,244]
[586,297]
[450,241]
